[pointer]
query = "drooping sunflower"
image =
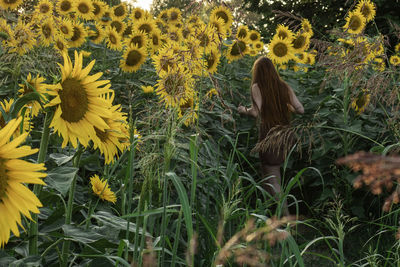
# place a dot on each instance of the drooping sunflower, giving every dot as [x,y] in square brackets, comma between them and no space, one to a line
[146,24]
[120,11]
[46,32]
[367,9]
[99,7]
[101,189]
[212,60]
[301,42]
[44,9]
[355,22]
[118,25]
[23,38]
[283,32]
[280,50]
[15,197]
[210,93]
[175,86]
[306,27]
[223,13]
[33,85]
[96,34]
[60,44]
[395,60]
[84,9]
[113,39]
[238,49]
[361,101]
[133,58]
[10,4]
[254,36]
[139,39]
[79,35]
[174,15]
[65,27]
[137,14]
[78,102]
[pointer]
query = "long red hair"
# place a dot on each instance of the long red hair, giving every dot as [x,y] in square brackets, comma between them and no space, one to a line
[274,93]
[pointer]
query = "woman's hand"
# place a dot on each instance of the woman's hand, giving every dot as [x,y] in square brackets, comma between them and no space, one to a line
[242,110]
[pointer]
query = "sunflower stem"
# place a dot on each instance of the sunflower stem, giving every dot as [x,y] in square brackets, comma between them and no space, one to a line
[68,214]
[44,142]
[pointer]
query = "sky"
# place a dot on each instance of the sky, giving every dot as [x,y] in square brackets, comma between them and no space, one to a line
[145,4]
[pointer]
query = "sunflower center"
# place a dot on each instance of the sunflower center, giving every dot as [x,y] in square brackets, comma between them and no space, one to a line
[3,179]
[173,36]
[355,23]
[238,48]
[2,122]
[204,40]
[83,8]
[133,58]
[96,9]
[74,100]
[102,135]
[174,16]
[137,14]
[299,42]
[117,25]
[46,31]
[253,37]
[361,101]
[145,27]
[280,50]
[65,6]
[283,35]
[138,40]
[155,40]
[366,11]
[10,1]
[76,35]
[28,88]
[174,84]
[119,11]
[127,31]
[222,15]
[44,8]
[113,39]
[210,61]
[242,33]
[64,29]
[60,45]
[164,17]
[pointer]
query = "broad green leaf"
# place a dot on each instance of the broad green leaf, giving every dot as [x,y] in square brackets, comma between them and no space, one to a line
[81,235]
[60,179]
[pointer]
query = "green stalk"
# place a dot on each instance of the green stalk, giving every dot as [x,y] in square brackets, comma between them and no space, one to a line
[68,215]
[176,240]
[44,142]
[194,150]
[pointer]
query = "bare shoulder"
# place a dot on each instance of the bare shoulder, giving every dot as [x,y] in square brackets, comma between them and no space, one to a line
[255,90]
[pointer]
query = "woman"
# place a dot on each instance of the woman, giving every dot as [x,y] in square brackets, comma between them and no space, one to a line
[272,102]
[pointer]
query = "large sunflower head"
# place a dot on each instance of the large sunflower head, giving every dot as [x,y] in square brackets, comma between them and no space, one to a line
[139,39]
[101,189]
[367,9]
[254,36]
[147,25]
[107,16]
[394,60]
[65,27]
[258,46]
[44,9]
[283,32]
[78,102]
[84,9]
[237,50]
[120,11]
[218,25]
[280,50]
[137,14]
[113,39]
[10,4]
[174,15]
[301,41]
[208,38]
[355,22]
[224,13]
[175,34]
[79,35]
[155,40]
[175,86]
[163,16]
[119,25]
[133,58]
[33,85]
[64,7]
[15,196]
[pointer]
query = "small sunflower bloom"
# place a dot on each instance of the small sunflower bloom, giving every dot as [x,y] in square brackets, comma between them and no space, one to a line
[101,189]
[148,89]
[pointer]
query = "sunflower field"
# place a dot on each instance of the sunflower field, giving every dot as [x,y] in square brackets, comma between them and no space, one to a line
[121,143]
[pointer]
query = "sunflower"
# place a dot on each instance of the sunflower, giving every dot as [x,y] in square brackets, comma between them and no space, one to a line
[306,27]
[242,32]
[397,47]
[301,42]
[107,17]
[175,86]
[146,25]
[258,46]
[210,93]
[44,9]
[33,85]
[395,60]
[133,58]
[301,57]
[174,15]
[99,7]
[137,14]
[147,89]
[5,29]
[78,102]
[114,139]
[79,35]
[223,13]
[194,20]
[46,32]
[361,101]
[188,112]
[139,39]
[23,38]
[60,44]
[10,4]
[175,34]
[113,39]
[165,59]
[96,34]
[207,37]
[101,189]
[367,9]
[64,7]
[118,25]
[310,58]
[212,60]
[254,36]
[65,27]
[119,11]
[26,125]
[163,16]
[355,22]
[128,30]
[155,40]
[15,197]
[378,64]
[280,50]
[84,9]
[283,32]
[187,31]
[237,50]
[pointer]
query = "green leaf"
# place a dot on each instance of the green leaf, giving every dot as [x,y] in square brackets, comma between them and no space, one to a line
[81,235]
[60,159]
[60,179]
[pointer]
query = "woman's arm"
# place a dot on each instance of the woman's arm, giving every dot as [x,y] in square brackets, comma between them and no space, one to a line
[295,105]
[256,103]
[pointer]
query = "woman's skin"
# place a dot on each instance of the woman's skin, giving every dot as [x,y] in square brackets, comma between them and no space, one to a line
[273,171]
